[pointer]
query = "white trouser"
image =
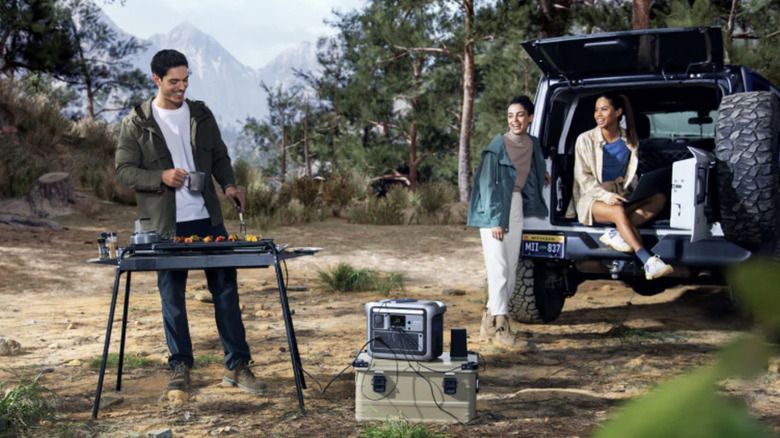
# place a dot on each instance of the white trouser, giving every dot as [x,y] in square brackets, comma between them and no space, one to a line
[501,258]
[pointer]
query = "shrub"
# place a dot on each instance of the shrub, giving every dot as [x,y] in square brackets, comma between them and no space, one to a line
[399,195]
[398,429]
[338,192]
[378,211]
[385,284]
[246,175]
[32,131]
[432,199]
[306,190]
[24,405]
[345,278]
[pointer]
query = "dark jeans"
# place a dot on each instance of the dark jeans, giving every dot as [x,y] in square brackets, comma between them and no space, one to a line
[223,286]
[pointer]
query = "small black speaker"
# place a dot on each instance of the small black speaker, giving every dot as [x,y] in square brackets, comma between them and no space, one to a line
[458,346]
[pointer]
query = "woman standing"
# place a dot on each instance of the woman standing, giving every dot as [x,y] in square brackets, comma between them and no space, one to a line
[605,168]
[507,185]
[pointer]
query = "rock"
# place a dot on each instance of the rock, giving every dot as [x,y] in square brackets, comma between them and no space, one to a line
[108,400]
[636,362]
[162,433]
[177,398]
[204,297]
[453,292]
[75,363]
[295,288]
[9,347]
[30,322]
[774,365]
[70,326]
[54,345]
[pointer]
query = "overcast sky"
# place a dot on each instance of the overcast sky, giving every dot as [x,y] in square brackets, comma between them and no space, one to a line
[254,31]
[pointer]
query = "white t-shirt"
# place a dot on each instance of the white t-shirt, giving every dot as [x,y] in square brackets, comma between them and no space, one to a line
[175,126]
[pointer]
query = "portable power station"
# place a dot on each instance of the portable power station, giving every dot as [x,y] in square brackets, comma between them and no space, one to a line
[405,329]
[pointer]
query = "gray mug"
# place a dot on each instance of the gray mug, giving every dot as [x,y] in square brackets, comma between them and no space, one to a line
[196,181]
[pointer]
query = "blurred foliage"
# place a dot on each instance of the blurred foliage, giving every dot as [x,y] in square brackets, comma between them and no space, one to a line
[690,406]
[23,406]
[398,429]
[432,201]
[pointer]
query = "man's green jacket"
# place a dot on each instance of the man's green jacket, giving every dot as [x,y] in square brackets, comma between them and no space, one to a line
[142,156]
[491,196]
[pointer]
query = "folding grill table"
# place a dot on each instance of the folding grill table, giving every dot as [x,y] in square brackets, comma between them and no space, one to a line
[198,255]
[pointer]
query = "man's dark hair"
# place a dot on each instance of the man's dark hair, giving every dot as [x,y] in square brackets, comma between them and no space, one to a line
[167,59]
[523,100]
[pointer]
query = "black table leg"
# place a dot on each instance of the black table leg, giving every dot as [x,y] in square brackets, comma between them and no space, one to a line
[124,333]
[96,404]
[291,341]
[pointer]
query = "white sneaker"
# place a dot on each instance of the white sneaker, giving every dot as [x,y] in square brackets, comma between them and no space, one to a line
[613,240]
[656,268]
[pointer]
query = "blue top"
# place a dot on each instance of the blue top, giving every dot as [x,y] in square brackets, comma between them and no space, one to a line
[615,160]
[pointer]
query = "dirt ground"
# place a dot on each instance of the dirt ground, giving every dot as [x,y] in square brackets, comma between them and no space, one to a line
[608,346]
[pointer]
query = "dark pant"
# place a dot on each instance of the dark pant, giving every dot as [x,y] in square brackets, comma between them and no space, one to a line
[223,286]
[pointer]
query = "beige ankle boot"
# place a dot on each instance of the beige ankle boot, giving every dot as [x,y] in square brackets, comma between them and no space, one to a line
[488,329]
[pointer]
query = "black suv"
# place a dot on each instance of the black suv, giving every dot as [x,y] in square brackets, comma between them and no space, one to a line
[715,127]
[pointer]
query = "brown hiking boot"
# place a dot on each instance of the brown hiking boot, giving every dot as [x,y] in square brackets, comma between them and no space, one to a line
[505,338]
[488,329]
[180,379]
[242,377]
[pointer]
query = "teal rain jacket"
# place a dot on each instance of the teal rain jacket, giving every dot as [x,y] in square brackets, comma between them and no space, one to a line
[491,196]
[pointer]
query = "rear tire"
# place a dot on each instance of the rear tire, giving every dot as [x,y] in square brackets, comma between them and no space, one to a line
[539,292]
[747,135]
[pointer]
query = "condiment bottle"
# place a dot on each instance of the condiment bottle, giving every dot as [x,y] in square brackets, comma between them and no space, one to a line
[102,249]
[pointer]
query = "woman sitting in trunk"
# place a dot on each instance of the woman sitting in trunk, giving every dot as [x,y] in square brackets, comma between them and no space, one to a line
[605,167]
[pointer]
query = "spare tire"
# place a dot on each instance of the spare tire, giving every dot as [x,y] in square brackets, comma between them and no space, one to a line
[540,290]
[747,135]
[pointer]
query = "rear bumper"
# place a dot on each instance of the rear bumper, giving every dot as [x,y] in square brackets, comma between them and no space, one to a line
[673,249]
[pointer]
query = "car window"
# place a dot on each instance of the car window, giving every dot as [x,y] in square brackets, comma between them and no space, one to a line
[684,124]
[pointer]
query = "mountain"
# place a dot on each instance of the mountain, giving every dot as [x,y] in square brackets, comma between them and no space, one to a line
[230,88]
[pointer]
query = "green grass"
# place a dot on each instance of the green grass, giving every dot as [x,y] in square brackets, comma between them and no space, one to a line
[24,406]
[385,285]
[130,361]
[398,429]
[346,278]
[628,334]
[207,359]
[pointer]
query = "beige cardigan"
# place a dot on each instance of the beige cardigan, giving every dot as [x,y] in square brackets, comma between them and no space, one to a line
[588,163]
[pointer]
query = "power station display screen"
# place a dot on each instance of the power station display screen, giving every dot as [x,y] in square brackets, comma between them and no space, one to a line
[398,321]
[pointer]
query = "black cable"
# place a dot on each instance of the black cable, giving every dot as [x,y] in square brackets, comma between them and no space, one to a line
[427,380]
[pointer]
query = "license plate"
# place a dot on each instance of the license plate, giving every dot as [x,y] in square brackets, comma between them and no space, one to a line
[543,245]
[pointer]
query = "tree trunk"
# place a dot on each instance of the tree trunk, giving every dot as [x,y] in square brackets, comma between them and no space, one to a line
[413,158]
[467,112]
[284,152]
[730,31]
[52,195]
[554,17]
[306,141]
[641,14]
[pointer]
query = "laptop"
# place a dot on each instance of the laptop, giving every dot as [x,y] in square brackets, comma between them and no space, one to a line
[650,183]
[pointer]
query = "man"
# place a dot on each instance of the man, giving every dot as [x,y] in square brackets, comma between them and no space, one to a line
[160,142]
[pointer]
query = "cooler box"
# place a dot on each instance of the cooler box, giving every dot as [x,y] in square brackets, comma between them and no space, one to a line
[441,390]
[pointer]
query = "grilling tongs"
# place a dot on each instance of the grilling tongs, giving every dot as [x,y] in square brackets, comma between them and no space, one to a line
[242,226]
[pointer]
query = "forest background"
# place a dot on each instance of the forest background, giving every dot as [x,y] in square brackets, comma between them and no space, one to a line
[406,94]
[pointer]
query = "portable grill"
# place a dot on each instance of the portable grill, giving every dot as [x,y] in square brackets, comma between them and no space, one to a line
[167,255]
